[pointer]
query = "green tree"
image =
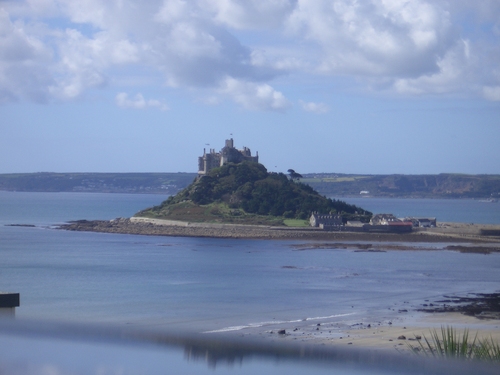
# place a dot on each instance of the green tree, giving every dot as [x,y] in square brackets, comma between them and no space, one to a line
[294,175]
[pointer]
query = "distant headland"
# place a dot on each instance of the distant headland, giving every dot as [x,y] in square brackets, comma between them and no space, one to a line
[446,185]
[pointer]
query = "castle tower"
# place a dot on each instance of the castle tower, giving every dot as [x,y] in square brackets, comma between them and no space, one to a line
[228,154]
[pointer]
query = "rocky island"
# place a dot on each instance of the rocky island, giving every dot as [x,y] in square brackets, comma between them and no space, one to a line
[233,187]
[234,196]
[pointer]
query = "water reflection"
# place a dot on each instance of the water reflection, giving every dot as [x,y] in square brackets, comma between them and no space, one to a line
[37,347]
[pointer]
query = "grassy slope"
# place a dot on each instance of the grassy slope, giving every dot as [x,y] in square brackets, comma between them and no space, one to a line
[210,213]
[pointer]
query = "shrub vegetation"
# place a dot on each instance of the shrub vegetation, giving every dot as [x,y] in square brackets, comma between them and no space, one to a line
[247,188]
[450,344]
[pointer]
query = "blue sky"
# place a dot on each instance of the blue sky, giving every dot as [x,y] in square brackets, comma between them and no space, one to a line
[345,86]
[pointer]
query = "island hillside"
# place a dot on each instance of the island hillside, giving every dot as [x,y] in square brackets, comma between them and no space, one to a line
[246,193]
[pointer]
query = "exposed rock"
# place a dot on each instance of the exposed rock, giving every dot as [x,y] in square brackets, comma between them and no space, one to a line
[479,305]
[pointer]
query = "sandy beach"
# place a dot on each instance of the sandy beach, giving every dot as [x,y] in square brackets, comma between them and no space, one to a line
[393,335]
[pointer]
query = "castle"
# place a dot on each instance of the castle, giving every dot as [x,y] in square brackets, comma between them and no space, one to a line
[228,154]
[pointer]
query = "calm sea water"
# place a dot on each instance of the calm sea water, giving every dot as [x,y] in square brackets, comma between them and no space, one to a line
[454,210]
[203,284]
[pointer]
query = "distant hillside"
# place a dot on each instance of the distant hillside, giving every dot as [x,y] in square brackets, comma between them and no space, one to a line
[153,183]
[328,184]
[416,186]
[247,193]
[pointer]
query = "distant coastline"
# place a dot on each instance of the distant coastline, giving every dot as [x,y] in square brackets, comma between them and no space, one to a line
[445,185]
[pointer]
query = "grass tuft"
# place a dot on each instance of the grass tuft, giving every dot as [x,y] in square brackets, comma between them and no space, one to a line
[450,344]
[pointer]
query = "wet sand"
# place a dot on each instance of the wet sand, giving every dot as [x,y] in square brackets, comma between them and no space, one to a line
[379,333]
[398,335]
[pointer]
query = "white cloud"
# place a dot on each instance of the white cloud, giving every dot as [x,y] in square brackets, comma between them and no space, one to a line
[255,96]
[23,63]
[374,38]
[94,12]
[138,102]
[172,11]
[448,78]
[314,107]
[85,61]
[178,38]
[79,67]
[36,8]
[492,93]
[250,14]
[61,48]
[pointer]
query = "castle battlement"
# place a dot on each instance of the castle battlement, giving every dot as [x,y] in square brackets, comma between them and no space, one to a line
[228,154]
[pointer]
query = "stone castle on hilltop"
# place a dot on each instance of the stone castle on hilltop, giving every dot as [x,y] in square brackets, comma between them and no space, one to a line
[228,154]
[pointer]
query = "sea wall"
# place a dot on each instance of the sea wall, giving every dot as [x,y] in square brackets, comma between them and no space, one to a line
[185,224]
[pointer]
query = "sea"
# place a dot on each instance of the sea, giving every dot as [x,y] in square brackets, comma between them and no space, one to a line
[207,285]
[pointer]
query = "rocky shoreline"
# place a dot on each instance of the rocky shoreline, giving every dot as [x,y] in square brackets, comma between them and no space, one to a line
[181,229]
[479,305]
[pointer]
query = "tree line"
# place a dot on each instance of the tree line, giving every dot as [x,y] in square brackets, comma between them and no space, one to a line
[249,186]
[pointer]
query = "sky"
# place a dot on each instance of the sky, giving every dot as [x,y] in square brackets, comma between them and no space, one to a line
[336,86]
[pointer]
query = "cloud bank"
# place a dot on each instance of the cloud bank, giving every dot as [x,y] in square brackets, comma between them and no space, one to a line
[138,102]
[58,49]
